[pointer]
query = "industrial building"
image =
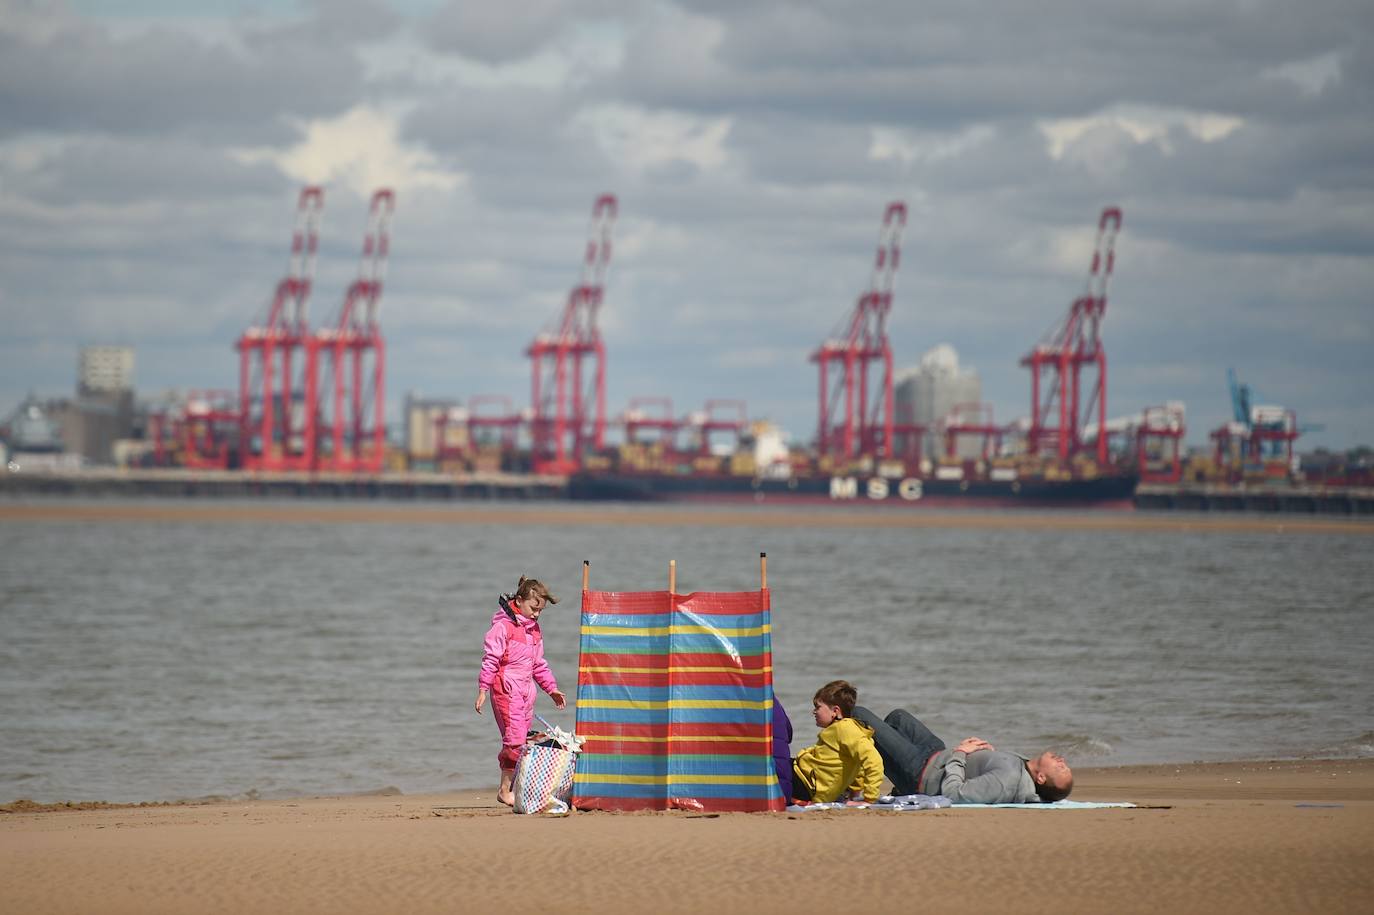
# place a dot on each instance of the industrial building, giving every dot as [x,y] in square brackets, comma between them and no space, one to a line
[928,393]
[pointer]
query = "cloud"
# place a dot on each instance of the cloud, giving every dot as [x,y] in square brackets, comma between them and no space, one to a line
[360,148]
[148,168]
[76,74]
[491,34]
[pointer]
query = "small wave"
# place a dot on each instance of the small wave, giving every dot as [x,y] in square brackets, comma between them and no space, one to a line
[1357,747]
[1077,746]
[385,791]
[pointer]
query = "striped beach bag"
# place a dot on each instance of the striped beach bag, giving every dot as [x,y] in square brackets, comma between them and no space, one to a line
[544,779]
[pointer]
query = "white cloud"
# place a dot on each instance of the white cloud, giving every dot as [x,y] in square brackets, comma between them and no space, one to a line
[1313,74]
[641,140]
[361,148]
[909,147]
[1070,136]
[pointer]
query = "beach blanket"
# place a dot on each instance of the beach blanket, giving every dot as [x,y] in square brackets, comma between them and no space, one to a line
[936,802]
[675,702]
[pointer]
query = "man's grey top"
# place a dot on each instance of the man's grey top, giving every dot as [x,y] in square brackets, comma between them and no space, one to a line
[984,777]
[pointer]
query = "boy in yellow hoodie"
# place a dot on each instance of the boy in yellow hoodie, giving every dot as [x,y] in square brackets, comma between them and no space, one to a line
[844,758]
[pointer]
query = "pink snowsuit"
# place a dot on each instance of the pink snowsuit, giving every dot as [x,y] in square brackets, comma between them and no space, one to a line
[512,663]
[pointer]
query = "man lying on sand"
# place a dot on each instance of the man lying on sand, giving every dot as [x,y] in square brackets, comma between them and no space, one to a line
[973,772]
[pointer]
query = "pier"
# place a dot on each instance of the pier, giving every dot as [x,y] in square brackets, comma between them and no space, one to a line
[1295,498]
[134,482]
[440,487]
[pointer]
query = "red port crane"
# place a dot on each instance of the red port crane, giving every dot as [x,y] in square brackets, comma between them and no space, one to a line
[655,414]
[267,378]
[1059,414]
[561,428]
[716,417]
[350,403]
[972,420]
[856,347]
[1158,443]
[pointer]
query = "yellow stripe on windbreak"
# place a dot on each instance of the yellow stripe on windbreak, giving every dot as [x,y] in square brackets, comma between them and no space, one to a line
[675,703]
[675,670]
[674,630]
[673,779]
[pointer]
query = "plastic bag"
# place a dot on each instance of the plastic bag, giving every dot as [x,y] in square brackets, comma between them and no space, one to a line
[544,779]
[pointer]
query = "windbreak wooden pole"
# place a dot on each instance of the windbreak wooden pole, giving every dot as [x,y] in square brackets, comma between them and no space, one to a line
[672,576]
[763,571]
[586,573]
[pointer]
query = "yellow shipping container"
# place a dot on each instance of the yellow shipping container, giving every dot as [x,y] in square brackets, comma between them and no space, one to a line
[706,464]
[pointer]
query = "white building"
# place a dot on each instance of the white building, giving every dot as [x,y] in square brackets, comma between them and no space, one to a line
[927,393]
[105,368]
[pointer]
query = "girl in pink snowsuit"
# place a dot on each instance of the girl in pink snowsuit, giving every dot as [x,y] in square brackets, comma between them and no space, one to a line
[512,663]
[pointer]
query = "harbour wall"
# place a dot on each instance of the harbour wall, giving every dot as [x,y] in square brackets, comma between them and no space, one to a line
[136,482]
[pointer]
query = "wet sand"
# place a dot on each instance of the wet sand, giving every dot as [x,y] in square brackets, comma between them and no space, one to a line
[1229,837]
[582,514]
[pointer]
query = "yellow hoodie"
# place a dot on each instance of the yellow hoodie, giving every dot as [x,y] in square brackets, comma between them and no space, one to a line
[844,758]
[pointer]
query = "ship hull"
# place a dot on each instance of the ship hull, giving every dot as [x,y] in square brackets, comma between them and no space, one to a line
[1114,492]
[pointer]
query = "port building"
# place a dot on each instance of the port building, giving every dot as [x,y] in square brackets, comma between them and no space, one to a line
[926,394]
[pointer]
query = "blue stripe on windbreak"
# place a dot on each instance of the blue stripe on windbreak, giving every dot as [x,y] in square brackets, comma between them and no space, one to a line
[636,644]
[702,643]
[662,618]
[722,764]
[622,716]
[593,764]
[733,621]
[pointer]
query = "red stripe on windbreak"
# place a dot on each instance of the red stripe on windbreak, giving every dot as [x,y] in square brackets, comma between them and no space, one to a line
[663,678]
[719,659]
[728,804]
[705,603]
[599,678]
[607,659]
[727,603]
[626,603]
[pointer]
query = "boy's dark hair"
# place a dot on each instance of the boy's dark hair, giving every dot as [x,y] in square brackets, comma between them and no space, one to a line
[838,692]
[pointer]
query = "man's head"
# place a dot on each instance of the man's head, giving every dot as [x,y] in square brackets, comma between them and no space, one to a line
[1052,776]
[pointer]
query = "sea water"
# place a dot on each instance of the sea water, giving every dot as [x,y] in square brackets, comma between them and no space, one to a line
[190,658]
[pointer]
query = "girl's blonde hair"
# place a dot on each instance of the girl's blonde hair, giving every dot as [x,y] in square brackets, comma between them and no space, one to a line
[533,586]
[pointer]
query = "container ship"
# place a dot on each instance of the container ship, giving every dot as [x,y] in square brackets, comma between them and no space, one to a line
[1114,491]
[648,473]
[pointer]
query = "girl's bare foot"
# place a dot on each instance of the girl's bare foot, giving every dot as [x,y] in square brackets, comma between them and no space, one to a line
[507,798]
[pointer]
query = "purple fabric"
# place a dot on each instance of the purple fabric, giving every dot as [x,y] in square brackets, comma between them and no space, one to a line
[782,748]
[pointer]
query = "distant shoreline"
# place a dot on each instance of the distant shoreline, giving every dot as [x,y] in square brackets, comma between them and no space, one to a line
[558,512]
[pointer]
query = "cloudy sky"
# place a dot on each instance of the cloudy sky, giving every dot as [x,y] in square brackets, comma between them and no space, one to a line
[151,152]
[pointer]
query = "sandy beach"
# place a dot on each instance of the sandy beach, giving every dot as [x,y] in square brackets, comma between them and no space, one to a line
[1225,837]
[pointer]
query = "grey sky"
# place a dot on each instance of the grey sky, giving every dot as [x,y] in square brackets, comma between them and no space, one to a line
[150,154]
